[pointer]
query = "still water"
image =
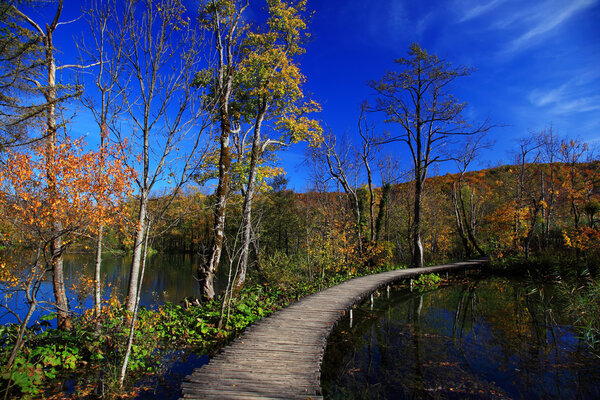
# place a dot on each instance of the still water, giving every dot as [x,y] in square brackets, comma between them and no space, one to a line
[168,277]
[491,339]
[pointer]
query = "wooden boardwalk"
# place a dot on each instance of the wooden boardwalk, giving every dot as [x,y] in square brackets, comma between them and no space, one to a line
[279,357]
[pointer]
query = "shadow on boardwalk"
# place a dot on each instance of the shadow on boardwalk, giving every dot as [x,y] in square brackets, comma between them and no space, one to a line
[280,356]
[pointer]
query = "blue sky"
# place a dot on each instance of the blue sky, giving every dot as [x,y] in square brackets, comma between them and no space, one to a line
[537,63]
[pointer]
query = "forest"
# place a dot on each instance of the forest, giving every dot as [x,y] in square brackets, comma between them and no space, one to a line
[192,111]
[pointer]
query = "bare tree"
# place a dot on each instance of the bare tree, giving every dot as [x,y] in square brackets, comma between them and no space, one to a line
[342,165]
[367,156]
[528,194]
[549,152]
[165,109]
[106,50]
[390,172]
[417,98]
[467,213]
[572,153]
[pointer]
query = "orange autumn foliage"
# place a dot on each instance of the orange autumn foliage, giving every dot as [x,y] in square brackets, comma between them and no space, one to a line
[85,190]
[584,239]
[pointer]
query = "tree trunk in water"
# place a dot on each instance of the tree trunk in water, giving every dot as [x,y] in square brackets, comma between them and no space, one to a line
[136,302]
[134,276]
[58,280]
[419,376]
[58,284]
[97,292]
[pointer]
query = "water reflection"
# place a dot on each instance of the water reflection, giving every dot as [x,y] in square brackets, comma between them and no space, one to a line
[490,339]
[168,277]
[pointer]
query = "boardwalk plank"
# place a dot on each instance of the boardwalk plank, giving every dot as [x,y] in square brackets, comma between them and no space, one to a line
[280,356]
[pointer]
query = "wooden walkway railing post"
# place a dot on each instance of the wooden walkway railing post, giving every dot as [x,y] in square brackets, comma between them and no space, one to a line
[280,356]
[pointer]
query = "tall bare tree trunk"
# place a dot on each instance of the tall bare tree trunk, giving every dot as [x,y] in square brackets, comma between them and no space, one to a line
[417,258]
[383,205]
[97,267]
[472,224]
[338,165]
[416,98]
[56,245]
[157,44]
[460,227]
[138,245]
[206,271]
[468,220]
[58,283]
[371,201]
[247,206]
[136,303]
[368,143]
[100,238]
[420,175]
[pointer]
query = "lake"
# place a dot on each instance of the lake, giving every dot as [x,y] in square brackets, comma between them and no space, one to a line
[168,277]
[495,338]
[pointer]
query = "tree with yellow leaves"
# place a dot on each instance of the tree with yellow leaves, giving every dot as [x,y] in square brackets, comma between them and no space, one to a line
[270,88]
[222,19]
[255,79]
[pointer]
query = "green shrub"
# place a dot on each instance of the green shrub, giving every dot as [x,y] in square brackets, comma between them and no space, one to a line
[427,281]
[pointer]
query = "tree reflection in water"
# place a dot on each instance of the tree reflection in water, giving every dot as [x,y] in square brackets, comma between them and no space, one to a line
[495,338]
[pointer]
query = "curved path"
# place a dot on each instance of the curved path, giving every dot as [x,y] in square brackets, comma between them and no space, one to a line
[279,357]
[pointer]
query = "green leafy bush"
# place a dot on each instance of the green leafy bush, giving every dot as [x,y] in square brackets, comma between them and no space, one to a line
[427,281]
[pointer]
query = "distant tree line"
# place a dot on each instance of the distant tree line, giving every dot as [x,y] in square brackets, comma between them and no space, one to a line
[537,206]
